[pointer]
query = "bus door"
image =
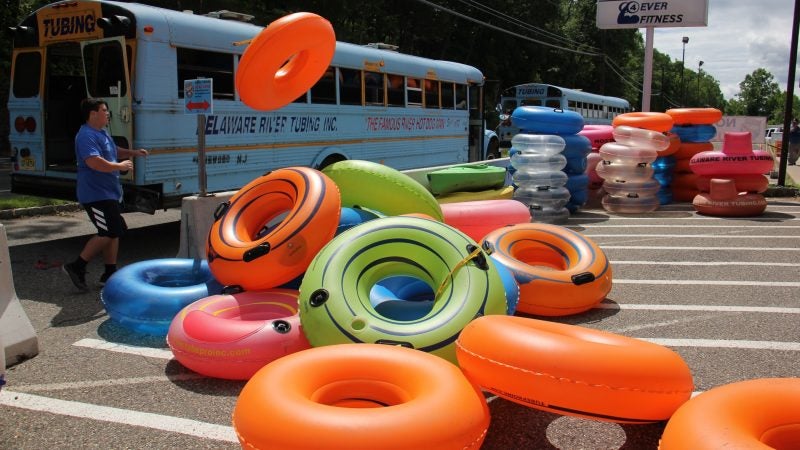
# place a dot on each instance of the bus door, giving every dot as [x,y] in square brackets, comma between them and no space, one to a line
[105,63]
[64,88]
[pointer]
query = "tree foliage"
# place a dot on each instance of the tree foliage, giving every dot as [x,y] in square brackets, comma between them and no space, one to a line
[510,41]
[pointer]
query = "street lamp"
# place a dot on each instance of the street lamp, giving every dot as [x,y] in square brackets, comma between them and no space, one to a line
[683,65]
[699,75]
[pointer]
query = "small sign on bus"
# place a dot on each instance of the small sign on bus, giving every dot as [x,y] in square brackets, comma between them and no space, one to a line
[198,96]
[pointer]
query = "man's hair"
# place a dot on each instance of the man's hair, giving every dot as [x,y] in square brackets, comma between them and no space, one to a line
[91,104]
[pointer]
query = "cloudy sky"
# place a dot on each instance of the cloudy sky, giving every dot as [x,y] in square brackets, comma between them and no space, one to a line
[741,36]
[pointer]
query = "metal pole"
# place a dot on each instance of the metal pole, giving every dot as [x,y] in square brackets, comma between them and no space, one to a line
[648,69]
[787,109]
[201,154]
[683,67]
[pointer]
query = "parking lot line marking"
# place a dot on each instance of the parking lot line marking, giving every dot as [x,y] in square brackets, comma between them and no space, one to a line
[695,249]
[704,263]
[695,236]
[727,343]
[122,348]
[713,282]
[771,227]
[117,415]
[103,383]
[717,308]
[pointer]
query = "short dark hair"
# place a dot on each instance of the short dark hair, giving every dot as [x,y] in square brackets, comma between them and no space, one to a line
[91,104]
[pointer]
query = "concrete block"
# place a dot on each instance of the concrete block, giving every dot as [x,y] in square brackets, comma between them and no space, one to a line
[17,337]
[197,216]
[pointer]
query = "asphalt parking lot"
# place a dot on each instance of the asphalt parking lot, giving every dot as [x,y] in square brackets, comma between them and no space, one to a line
[723,293]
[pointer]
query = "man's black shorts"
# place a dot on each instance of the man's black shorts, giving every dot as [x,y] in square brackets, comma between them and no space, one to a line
[106,215]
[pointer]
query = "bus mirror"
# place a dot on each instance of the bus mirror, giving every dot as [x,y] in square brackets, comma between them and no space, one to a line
[504,117]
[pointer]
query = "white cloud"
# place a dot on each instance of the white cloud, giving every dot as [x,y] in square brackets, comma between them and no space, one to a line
[741,36]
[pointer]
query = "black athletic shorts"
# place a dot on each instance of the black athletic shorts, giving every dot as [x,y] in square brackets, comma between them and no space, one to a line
[106,215]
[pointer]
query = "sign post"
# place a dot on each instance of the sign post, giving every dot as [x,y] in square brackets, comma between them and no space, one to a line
[614,14]
[198,99]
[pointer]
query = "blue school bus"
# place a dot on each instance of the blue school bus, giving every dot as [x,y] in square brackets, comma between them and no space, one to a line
[373,103]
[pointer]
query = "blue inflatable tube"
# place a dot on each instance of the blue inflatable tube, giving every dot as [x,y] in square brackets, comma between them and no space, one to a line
[540,119]
[575,150]
[695,133]
[147,295]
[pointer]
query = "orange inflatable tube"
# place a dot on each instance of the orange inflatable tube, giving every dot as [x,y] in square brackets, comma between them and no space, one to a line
[575,371]
[648,120]
[689,149]
[285,60]
[559,271]
[270,230]
[755,414]
[361,396]
[695,116]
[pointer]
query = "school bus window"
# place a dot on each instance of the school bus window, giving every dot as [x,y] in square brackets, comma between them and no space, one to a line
[27,73]
[350,87]
[414,91]
[105,69]
[432,94]
[193,64]
[396,93]
[553,103]
[448,97]
[571,105]
[461,96]
[324,91]
[373,88]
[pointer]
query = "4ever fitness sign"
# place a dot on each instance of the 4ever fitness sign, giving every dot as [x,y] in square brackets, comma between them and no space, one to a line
[644,14]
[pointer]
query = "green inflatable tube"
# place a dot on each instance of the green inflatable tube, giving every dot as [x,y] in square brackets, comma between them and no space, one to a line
[334,298]
[375,186]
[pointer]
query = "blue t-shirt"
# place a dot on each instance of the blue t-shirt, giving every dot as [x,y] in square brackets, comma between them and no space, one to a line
[93,185]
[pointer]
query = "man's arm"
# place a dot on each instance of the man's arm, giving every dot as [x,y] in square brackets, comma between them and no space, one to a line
[101,165]
[127,153]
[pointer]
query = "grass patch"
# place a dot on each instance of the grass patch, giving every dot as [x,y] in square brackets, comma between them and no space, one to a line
[28,201]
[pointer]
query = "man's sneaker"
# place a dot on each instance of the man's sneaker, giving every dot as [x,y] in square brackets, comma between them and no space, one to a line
[104,277]
[78,277]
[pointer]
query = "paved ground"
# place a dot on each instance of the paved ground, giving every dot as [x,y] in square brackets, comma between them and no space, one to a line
[723,293]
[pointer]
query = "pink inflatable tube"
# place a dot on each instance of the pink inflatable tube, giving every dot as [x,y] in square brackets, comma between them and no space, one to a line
[598,134]
[736,158]
[233,336]
[479,218]
[754,183]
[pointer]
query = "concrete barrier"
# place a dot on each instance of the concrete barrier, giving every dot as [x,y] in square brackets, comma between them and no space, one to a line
[18,339]
[197,216]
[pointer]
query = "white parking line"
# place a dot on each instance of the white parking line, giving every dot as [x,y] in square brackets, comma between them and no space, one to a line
[103,383]
[693,236]
[116,415]
[728,343]
[150,352]
[705,263]
[697,249]
[713,282]
[722,308]
[771,227]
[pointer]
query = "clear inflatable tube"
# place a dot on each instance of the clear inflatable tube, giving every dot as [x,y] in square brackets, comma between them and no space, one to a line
[640,138]
[545,144]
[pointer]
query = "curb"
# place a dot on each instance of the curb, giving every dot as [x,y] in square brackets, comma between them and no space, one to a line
[39,211]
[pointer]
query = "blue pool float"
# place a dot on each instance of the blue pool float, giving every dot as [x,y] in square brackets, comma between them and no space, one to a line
[147,295]
[540,119]
[695,133]
[575,150]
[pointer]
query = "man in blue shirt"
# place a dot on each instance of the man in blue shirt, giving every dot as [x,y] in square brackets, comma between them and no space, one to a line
[99,190]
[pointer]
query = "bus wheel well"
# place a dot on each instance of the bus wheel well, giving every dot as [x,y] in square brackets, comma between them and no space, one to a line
[493,149]
[330,159]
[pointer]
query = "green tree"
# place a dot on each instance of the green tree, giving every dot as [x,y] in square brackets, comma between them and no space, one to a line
[758,93]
